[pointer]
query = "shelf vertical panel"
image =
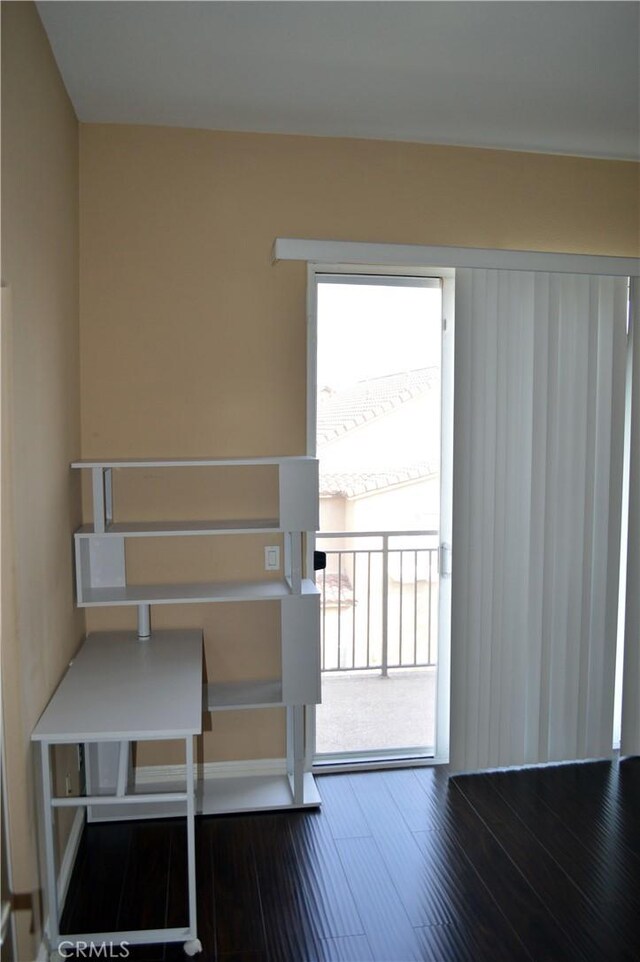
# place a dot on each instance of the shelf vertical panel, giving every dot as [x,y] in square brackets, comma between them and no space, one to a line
[295,752]
[97,487]
[299,495]
[293,560]
[100,563]
[101,770]
[300,625]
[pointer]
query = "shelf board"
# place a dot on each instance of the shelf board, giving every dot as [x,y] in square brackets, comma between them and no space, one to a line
[195,593]
[253,793]
[227,696]
[216,796]
[156,529]
[188,462]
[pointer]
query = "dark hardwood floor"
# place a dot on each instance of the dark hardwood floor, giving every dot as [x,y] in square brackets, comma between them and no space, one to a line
[539,865]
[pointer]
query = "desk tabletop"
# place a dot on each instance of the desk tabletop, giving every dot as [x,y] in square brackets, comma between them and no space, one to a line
[119,688]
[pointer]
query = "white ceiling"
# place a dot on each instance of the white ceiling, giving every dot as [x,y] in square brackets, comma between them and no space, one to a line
[545,76]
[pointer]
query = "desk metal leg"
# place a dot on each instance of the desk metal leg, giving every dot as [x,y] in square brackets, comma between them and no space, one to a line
[49,850]
[194,945]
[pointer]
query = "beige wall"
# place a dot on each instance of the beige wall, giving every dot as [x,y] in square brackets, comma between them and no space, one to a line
[192,344]
[41,417]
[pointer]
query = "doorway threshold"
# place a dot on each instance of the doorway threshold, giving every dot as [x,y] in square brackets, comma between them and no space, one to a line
[372,761]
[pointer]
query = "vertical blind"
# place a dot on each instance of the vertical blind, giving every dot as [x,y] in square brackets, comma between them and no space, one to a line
[630,731]
[538,452]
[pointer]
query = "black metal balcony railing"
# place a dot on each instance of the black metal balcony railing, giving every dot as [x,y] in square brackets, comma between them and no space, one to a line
[380,601]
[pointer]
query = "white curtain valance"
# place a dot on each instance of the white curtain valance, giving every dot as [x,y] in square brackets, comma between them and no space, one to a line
[426,256]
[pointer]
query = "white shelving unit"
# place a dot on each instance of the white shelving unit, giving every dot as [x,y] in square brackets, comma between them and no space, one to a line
[101,580]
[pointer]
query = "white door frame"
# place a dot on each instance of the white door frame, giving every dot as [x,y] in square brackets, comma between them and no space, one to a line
[443,678]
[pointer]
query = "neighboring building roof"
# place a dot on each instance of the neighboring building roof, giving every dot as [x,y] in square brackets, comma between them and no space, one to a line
[336,589]
[353,484]
[342,411]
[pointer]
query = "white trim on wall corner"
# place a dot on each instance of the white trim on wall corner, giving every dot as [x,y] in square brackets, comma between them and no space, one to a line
[159,774]
[417,255]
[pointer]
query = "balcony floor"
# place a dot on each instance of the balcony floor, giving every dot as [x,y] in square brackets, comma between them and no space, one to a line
[362,711]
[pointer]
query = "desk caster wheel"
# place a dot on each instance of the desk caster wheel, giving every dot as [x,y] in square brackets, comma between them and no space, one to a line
[192,947]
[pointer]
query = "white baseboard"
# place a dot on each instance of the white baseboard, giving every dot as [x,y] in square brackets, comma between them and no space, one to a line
[64,875]
[158,774]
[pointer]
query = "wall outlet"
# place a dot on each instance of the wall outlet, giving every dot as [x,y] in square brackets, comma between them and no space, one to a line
[272,558]
[67,784]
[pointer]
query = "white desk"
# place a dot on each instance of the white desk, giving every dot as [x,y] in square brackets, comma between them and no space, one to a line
[117,690]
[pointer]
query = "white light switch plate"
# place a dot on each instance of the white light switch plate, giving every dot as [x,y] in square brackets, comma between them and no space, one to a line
[272,558]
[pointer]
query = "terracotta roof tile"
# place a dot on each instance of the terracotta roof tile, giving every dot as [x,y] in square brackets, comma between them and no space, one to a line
[352,484]
[341,411]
